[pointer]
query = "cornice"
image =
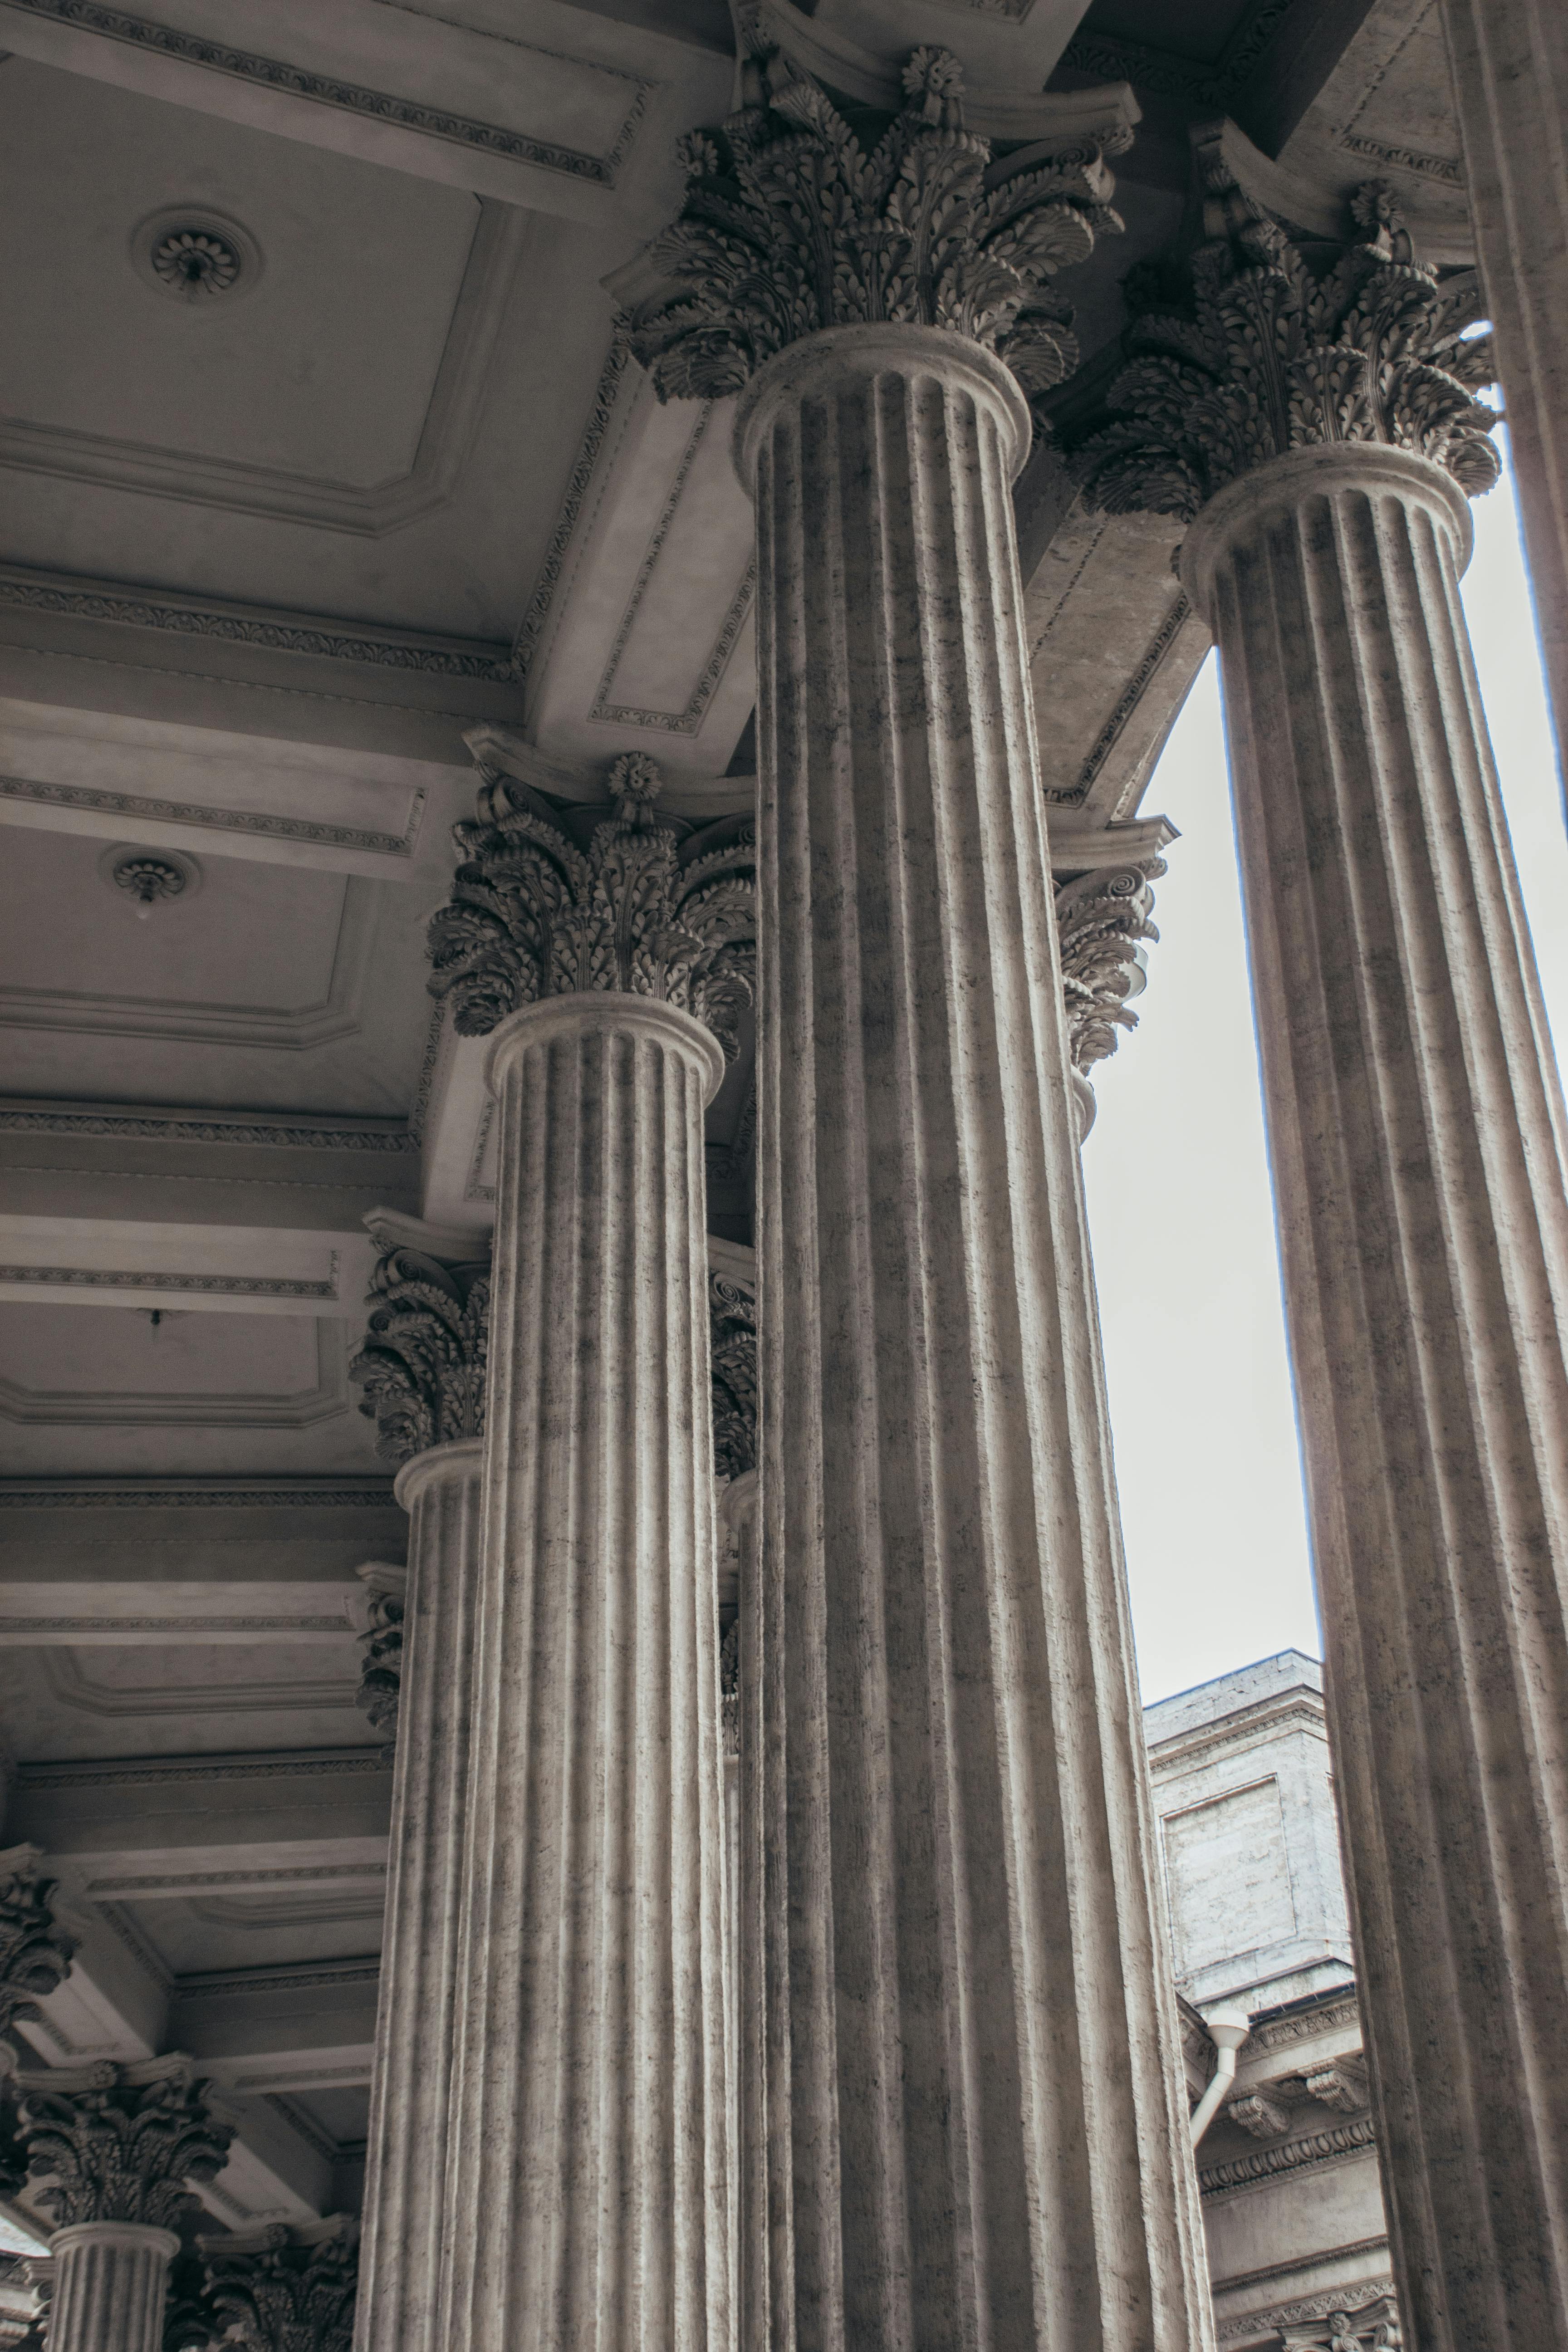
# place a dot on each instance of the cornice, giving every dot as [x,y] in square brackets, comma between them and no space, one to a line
[1335,2016]
[132,606]
[1295,2156]
[330,89]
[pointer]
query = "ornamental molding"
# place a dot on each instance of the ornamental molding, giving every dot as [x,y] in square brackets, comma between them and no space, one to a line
[1167,75]
[422,1366]
[1102,923]
[72,1687]
[112,2143]
[288,633]
[733,1323]
[1253,346]
[687,720]
[1131,695]
[154,1127]
[217,1984]
[204,1408]
[790,227]
[224,1285]
[137,811]
[333,1874]
[330,89]
[534,620]
[284,2288]
[328,1764]
[1351,2139]
[128,1494]
[445,438]
[645,906]
[35,1951]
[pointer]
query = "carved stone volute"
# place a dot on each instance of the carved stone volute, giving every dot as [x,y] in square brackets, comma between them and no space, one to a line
[791,226]
[108,2143]
[1255,345]
[422,1367]
[1102,922]
[644,906]
[34,1951]
[285,2288]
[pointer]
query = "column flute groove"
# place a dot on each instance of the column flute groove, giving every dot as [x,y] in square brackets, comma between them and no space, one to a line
[587,2197]
[1415,1134]
[969,2092]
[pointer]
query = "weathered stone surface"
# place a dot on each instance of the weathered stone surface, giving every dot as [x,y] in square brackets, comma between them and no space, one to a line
[1414,1121]
[35,1949]
[1510,94]
[965,2034]
[588,2150]
[422,1988]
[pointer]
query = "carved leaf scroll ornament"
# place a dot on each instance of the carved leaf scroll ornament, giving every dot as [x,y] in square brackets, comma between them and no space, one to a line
[646,907]
[119,2143]
[732,1325]
[292,2293]
[1102,922]
[422,1367]
[34,1951]
[791,226]
[1254,346]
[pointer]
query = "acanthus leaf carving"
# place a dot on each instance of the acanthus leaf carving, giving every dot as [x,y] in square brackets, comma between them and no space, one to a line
[1102,922]
[1253,346]
[112,2143]
[646,907]
[381,1672]
[791,226]
[422,1367]
[34,1951]
[1372,2326]
[286,2289]
[732,1323]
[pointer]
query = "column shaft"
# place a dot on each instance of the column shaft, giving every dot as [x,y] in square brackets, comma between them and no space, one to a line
[588,2198]
[1511,95]
[109,2284]
[970,2074]
[422,1988]
[1414,1129]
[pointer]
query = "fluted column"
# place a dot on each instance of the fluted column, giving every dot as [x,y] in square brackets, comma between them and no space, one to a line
[587,2197]
[1510,96]
[969,2078]
[1425,1239]
[113,2151]
[423,1368]
[110,2279]
[1414,1125]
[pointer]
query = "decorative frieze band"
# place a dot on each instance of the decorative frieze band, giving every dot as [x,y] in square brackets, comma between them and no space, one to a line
[1295,2156]
[226,1286]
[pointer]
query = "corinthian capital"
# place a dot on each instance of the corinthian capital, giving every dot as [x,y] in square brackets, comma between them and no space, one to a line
[285,2288]
[643,904]
[1102,922]
[34,1952]
[733,1323]
[1255,345]
[791,226]
[422,1367]
[117,2143]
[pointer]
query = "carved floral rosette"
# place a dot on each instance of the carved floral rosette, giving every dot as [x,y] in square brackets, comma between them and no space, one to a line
[1256,345]
[646,907]
[790,226]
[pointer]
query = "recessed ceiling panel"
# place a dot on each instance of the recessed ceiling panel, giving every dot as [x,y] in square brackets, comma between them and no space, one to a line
[318,356]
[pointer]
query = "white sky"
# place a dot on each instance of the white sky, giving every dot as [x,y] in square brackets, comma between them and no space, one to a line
[1179,1196]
